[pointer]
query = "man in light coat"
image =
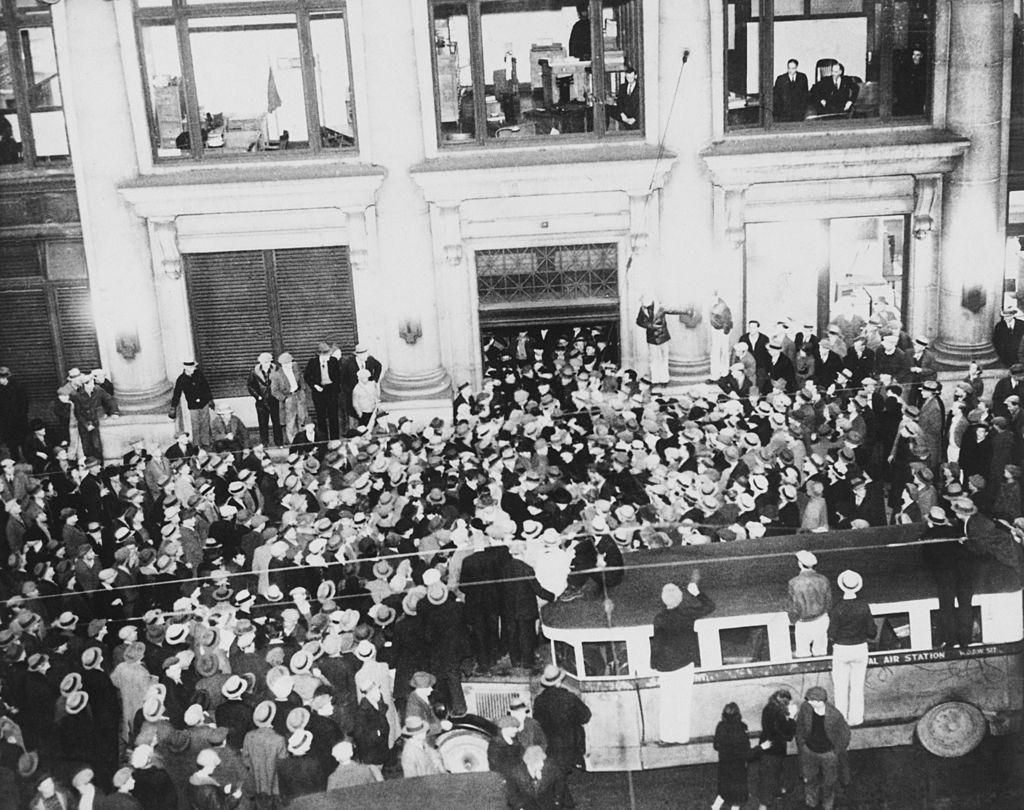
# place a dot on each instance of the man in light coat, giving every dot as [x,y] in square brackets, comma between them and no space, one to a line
[289,389]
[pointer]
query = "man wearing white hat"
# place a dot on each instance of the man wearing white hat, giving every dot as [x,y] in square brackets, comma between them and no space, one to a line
[850,626]
[289,389]
[810,598]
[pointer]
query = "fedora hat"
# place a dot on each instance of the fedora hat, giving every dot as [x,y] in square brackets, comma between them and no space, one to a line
[552,675]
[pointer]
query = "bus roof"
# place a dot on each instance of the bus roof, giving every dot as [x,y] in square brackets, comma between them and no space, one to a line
[479,791]
[750,576]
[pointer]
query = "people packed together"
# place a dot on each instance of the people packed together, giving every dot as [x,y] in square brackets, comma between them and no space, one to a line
[228,622]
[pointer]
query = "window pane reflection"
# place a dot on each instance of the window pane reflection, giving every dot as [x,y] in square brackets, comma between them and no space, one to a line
[333,85]
[249,82]
[11,150]
[454,75]
[166,91]
[44,94]
[743,66]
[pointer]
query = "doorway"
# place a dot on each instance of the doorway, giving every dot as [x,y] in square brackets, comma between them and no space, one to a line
[549,297]
[810,271]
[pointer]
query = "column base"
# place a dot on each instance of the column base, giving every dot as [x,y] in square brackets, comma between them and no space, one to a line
[688,372]
[397,387]
[956,356]
[146,400]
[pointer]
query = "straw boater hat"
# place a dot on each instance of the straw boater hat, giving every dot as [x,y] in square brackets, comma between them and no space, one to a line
[850,581]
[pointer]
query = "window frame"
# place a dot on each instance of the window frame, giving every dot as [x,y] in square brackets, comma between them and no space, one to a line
[15,20]
[178,14]
[766,74]
[474,10]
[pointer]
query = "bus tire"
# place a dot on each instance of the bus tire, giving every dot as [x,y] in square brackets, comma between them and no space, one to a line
[464,750]
[952,729]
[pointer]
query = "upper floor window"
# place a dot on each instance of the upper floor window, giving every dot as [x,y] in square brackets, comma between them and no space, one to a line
[32,131]
[530,69]
[790,63]
[240,78]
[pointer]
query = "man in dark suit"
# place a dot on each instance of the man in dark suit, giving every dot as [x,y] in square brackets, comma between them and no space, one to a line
[790,94]
[1010,385]
[827,365]
[860,360]
[361,358]
[758,343]
[781,373]
[1007,335]
[627,100]
[323,376]
[836,93]
[868,503]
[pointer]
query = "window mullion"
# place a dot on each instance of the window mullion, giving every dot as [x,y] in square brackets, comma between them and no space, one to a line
[766,78]
[597,74]
[885,61]
[195,135]
[476,50]
[309,87]
[21,98]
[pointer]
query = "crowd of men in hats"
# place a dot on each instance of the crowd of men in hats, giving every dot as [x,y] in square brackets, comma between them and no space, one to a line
[214,624]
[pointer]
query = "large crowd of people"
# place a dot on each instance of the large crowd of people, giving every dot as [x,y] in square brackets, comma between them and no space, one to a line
[222,622]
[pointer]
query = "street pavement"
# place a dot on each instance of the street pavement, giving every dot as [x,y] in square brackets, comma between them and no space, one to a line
[908,778]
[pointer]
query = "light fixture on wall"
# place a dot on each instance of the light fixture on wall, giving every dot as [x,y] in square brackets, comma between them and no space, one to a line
[410,331]
[127,344]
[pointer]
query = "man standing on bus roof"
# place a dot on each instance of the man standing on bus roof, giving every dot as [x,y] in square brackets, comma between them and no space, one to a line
[822,737]
[850,625]
[810,599]
[675,654]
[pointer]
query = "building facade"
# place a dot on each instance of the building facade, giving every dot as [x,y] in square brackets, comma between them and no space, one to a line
[417,175]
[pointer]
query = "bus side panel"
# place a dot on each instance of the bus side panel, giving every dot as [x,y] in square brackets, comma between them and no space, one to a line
[615,725]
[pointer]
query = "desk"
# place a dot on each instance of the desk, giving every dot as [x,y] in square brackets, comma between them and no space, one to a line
[571,117]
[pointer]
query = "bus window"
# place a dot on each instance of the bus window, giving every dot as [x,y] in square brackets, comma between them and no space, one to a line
[744,645]
[975,626]
[565,657]
[892,632]
[605,659]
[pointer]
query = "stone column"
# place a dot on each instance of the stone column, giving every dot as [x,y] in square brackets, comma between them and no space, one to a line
[973,232]
[405,251]
[116,241]
[923,271]
[686,259]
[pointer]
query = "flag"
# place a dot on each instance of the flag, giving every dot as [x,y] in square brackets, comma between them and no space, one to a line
[273,97]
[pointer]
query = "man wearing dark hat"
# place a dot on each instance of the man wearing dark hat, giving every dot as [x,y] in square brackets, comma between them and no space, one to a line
[1010,385]
[1006,336]
[91,405]
[562,715]
[193,386]
[323,377]
[952,566]
[822,737]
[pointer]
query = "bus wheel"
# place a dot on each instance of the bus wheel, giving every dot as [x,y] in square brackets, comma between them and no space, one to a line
[952,729]
[464,750]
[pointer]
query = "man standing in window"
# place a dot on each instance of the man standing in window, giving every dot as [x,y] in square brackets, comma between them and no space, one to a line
[192,384]
[579,37]
[790,94]
[627,100]
[912,85]
[323,377]
[836,93]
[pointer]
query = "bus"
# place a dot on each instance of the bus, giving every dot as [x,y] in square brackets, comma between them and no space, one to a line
[947,698]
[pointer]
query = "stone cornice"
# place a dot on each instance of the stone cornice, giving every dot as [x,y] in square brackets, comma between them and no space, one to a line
[630,168]
[253,188]
[746,160]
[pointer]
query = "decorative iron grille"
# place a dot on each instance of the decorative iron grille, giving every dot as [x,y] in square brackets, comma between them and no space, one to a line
[548,274]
